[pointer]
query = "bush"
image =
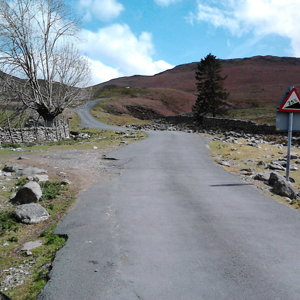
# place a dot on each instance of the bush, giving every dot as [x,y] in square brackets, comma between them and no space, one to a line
[10,145]
[8,223]
[51,190]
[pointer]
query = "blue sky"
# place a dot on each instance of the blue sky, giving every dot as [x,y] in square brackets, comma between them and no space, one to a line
[145,37]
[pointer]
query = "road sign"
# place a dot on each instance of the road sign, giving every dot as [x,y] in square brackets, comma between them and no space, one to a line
[282,121]
[291,103]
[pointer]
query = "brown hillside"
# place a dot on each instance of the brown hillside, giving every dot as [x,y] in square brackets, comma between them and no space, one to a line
[259,80]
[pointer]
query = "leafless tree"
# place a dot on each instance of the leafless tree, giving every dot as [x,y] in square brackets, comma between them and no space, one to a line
[41,66]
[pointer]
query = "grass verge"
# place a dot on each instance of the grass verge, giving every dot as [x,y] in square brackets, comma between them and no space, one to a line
[57,199]
[100,112]
[242,156]
[31,269]
[260,115]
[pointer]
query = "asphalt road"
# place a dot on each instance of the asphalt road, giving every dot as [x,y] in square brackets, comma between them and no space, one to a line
[175,226]
[88,121]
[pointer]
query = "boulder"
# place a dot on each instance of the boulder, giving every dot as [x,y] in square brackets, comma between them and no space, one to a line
[282,187]
[31,171]
[30,192]
[262,177]
[276,166]
[225,163]
[4,297]
[66,181]
[39,178]
[31,213]
[12,168]
[31,245]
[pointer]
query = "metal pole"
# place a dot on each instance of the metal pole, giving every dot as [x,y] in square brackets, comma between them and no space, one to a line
[288,157]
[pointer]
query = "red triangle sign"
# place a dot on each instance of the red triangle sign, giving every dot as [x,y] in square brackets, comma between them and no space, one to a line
[291,103]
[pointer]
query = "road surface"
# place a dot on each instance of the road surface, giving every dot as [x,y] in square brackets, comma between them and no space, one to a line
[175,226]
[88,121]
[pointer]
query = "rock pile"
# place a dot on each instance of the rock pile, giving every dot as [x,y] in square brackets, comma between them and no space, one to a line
[27,211]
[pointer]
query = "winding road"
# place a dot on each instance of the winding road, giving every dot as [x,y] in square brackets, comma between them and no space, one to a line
[175,226]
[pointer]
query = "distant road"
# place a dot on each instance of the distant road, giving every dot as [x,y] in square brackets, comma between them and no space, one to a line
[88,121]
[175,226]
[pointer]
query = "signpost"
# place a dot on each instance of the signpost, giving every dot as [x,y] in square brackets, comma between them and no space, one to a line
[287,121]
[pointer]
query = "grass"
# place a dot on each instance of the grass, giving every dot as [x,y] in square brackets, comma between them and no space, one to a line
[260,115]
[101,112]
[9,116]
[8,223]
[56,199]
[243,156]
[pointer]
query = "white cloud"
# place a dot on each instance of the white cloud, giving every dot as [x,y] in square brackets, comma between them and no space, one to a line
[261,17]
[100,72]
[115,51]
[166,2]
[103,10]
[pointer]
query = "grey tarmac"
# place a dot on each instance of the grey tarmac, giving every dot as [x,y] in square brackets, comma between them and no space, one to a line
[176,226]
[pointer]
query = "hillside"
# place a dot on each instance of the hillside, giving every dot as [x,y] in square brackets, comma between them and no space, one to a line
[256,81]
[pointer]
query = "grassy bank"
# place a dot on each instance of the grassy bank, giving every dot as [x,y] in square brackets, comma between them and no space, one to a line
[57,199]
[101,111]
[242,156]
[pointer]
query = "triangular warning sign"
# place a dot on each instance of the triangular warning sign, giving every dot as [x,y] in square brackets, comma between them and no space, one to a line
[291,103]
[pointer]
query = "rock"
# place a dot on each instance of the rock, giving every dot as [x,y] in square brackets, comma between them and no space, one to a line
[11,168]
[293,156]
[22,158]
[281,186]
[293,168]
[247,170]
[224,163]
[31,171]
[4,297]
[31,213]
[261,163]
[273,178]
[31,245]
[262,177]
[30,192]
[40,178]
[66,181]
[275,166]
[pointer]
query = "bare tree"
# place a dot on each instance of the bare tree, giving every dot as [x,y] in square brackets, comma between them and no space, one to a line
[41,66]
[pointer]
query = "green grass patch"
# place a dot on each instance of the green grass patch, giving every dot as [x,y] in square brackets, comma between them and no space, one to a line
[10,145]
[260,115]
[9,117]
[51,190]
[8,223]
[102,112]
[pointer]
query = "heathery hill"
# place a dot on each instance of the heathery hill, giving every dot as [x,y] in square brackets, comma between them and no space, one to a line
[255,81]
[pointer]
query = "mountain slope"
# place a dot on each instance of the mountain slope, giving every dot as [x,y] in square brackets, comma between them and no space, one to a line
[255,81]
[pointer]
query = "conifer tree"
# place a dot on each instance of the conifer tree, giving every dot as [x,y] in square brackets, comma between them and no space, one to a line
[211,96]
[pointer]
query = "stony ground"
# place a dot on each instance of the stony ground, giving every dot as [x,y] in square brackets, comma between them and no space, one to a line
[81,164]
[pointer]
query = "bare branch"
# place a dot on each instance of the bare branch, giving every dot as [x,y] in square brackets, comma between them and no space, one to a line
[37,46]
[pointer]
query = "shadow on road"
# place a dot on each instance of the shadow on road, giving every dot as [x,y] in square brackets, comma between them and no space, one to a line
[231,184]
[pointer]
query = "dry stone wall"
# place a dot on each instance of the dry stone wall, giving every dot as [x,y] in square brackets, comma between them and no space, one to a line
[223,124]
[237,125]
[34,134]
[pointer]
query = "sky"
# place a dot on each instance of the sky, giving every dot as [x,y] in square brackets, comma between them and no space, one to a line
[145,37]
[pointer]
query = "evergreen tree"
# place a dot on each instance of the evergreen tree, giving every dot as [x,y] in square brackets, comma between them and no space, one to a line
[211,96]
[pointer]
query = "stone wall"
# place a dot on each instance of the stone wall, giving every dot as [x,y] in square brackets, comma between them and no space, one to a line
[223,124]
[34,134]
[237,125]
